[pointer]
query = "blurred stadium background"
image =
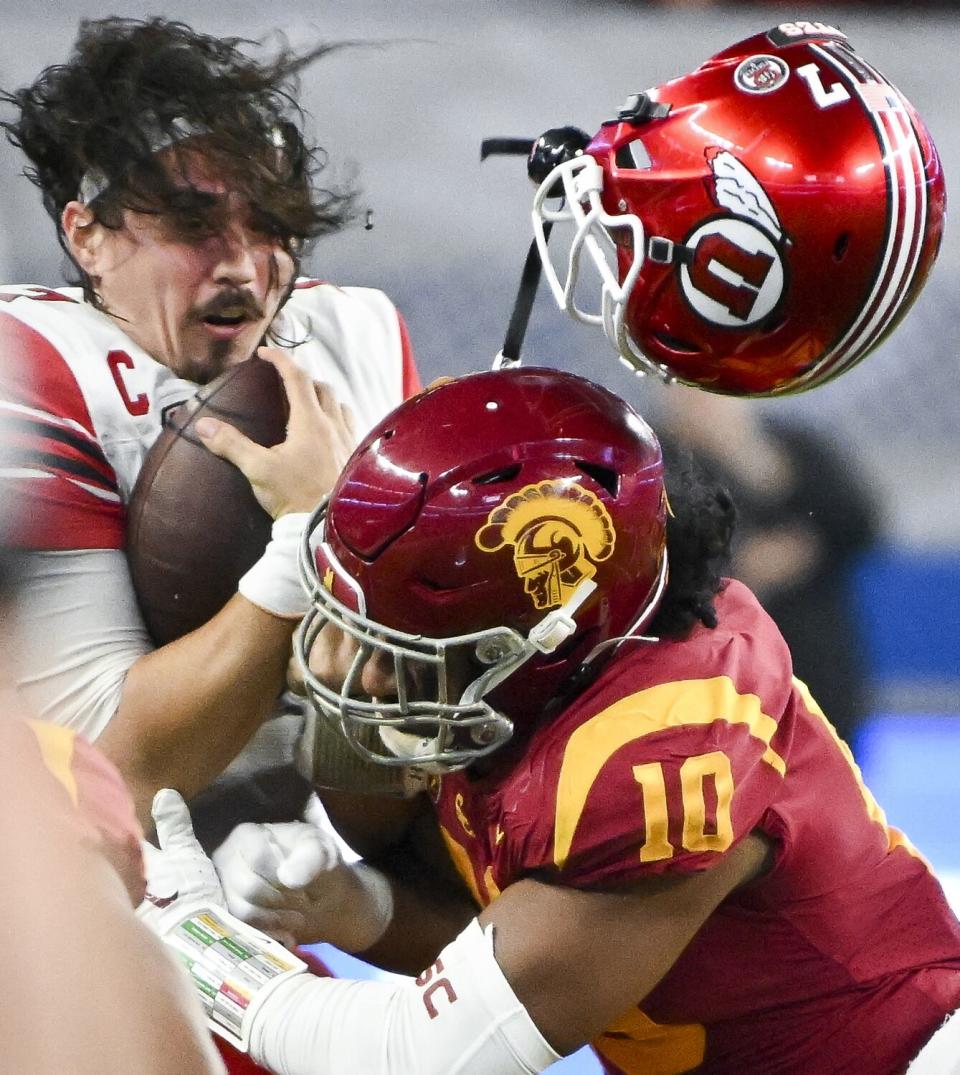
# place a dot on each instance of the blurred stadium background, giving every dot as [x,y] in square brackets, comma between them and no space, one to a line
[409,110]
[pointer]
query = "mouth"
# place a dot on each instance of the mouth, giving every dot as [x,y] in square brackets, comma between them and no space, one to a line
[229,314]
[227,323]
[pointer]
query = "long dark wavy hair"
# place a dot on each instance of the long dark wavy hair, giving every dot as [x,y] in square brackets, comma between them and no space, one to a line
[131,86]
[700,530]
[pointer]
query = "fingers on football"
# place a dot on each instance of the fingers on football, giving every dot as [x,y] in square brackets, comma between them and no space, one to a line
[336,411]
[308,399]
[296,382]
[229,443]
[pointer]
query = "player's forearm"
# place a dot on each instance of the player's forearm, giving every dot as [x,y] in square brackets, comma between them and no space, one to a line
[401,839]
[368,911]
[188,708]
[459,1016]
[426,914]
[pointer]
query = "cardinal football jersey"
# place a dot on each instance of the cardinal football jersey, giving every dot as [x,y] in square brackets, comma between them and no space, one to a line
[843,958]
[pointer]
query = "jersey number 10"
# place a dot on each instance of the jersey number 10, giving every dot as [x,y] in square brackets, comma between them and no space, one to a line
[693,774]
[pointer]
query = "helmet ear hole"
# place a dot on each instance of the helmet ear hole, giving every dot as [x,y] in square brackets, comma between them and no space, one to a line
[606,477]
[495,477]
[633,155]
[841,246]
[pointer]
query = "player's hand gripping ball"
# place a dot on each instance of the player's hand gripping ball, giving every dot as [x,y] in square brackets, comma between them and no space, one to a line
[193,524]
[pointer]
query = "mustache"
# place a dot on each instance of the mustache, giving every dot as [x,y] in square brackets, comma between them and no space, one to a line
[233,299]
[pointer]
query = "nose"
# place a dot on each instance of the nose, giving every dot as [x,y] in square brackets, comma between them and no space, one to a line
[239,251]
[378,677]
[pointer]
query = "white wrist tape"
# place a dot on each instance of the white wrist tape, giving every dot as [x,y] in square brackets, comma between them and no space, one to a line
[459,1017]
[233,966]
[273,583]
[379,894]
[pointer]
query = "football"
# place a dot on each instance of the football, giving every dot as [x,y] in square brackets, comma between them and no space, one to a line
[193,524]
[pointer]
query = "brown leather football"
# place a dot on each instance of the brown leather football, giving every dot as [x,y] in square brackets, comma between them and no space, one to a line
[193,524]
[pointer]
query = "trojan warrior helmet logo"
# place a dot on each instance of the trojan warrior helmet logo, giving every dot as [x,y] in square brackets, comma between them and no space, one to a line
[559,532]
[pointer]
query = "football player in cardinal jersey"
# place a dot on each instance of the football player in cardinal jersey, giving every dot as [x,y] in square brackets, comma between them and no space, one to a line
[663,848]
[183,191]
[757,226]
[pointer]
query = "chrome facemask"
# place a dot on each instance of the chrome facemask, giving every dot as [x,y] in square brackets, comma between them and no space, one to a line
[440,733]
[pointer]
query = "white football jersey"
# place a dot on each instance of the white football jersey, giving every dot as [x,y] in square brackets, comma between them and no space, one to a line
[80,406]
[82,403]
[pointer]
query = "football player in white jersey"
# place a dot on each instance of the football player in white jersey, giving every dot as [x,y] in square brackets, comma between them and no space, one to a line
[184,192]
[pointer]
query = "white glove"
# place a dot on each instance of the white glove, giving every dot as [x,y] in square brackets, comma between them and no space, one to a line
[179,874]
[290,880]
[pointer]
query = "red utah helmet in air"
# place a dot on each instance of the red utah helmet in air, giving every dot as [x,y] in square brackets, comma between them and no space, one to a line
[774,214]
[487,537]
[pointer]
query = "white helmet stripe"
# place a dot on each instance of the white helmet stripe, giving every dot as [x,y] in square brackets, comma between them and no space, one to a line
[907,161]
[906,211]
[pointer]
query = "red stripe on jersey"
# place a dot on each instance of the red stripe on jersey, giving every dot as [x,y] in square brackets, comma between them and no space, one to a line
[55,514]
[411,377]
[63,466]
[37,376]
[42,294]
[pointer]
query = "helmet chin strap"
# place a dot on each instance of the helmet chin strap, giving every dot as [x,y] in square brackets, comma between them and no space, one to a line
[639,623]
[558,624]
[508,356]
[544,637]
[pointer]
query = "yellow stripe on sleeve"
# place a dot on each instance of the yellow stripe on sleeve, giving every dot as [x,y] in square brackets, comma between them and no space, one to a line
[668,705]
[895,838]
[56,748]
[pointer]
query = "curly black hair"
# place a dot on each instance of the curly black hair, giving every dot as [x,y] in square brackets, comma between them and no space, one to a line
[131,86]
[700,528]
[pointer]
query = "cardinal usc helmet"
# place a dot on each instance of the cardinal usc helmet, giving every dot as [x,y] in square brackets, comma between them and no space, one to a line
[759,225]
[487,540]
